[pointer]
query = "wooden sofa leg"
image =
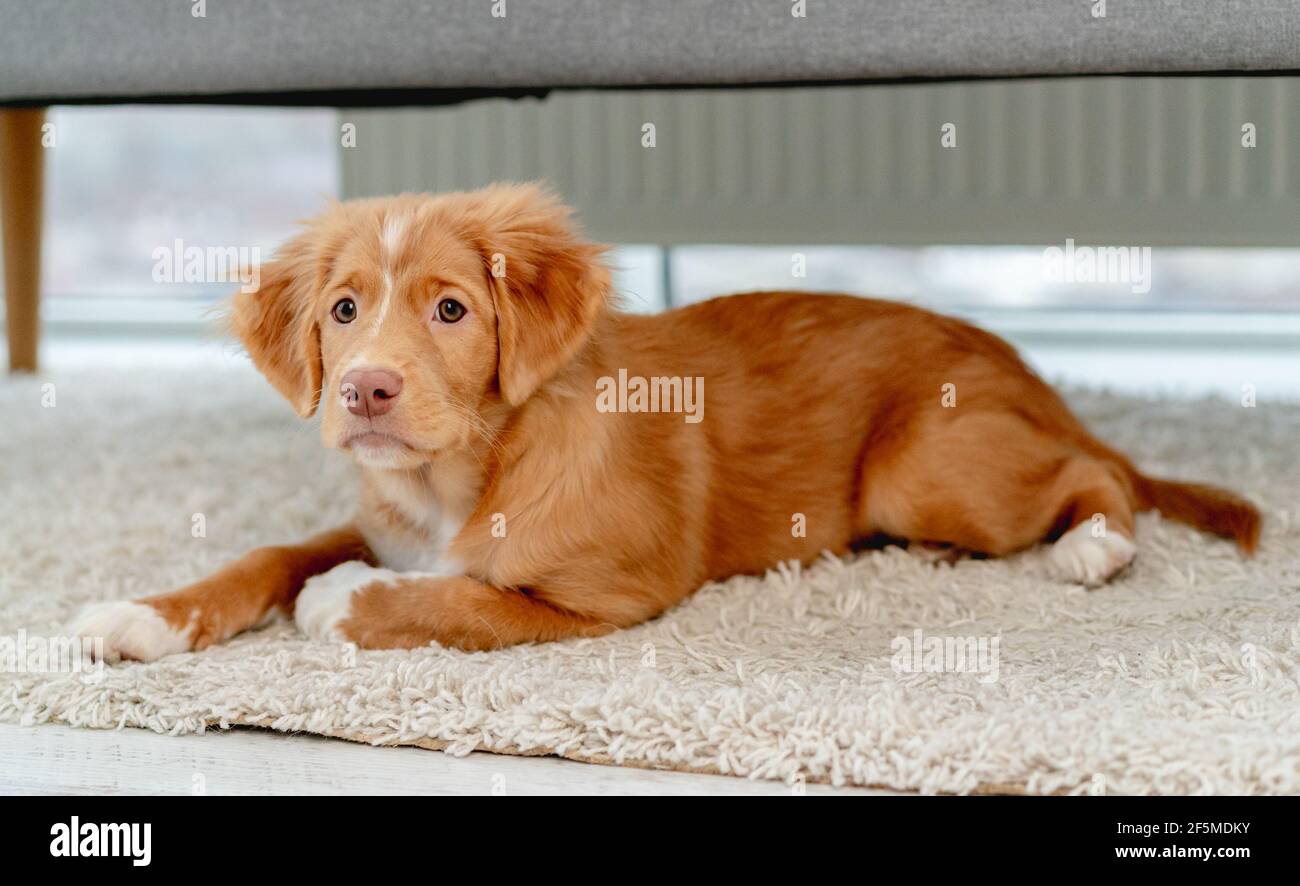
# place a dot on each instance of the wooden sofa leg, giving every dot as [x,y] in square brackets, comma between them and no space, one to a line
[22,164]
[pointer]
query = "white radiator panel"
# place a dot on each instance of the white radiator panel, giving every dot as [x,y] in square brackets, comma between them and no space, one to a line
[1149,161]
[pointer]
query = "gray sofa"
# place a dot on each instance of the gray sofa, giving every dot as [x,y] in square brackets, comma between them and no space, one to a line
[343,52]
[324,50]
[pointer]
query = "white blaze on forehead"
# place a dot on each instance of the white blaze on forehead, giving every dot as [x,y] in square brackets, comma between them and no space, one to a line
[394,228]
[391,240]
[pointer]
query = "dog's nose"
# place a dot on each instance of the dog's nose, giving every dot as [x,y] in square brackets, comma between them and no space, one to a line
[370,391]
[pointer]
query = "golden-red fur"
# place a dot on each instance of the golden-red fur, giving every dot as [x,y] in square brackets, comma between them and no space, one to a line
[822,411]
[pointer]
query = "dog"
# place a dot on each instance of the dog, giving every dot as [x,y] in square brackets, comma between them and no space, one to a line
[536,465]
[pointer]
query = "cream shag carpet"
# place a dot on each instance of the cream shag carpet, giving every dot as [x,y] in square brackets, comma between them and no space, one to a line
[1181,677]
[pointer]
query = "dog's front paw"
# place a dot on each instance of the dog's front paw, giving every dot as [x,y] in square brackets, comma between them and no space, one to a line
[130,630]
[1088,559]
[326,599]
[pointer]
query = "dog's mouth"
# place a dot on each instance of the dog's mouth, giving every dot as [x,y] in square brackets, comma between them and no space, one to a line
[375,441]
[378,449]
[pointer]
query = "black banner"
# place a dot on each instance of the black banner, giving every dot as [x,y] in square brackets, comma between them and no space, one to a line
[291,835]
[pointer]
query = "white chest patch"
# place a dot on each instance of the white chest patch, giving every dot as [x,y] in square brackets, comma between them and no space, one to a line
[429,558]
[422,552]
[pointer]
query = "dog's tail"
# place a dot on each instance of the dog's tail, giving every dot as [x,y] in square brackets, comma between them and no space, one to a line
[1206,507]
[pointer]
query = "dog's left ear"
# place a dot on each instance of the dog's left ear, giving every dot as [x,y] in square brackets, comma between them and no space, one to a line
[548,285]
[276,325]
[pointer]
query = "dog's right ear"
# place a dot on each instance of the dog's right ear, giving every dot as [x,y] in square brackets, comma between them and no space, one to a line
[276,324]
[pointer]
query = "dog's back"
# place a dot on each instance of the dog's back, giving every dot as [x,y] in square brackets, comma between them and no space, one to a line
[833,418]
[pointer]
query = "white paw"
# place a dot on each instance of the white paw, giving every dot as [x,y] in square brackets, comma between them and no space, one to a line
[129,630]
[326,599]
[1090,560]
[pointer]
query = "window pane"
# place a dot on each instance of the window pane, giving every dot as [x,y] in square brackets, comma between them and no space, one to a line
[1076,276]
[126,181]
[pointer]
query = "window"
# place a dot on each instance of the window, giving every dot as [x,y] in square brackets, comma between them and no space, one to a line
[130,185]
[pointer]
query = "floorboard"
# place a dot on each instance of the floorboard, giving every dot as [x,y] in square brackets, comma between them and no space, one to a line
[52,759]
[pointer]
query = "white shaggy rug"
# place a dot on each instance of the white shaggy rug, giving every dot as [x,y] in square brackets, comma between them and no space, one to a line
[1179,678]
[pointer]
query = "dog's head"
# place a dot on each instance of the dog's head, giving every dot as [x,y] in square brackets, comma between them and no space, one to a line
[408,318]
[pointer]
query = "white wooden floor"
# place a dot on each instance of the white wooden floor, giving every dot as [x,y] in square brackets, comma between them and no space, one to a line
[60,760]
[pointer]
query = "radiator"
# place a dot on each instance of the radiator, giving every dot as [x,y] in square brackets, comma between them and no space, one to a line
[1146,160]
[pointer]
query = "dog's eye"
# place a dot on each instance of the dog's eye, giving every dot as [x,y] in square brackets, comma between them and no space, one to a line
[345,311]
[450,310]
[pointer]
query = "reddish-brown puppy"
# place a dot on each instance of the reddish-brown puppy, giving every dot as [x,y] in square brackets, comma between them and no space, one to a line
[517,487]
